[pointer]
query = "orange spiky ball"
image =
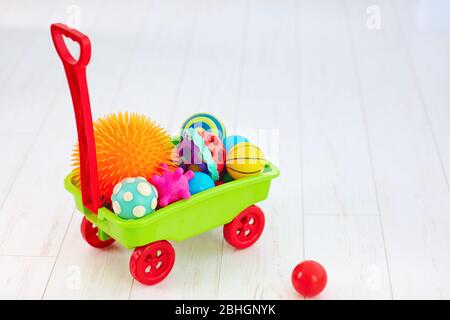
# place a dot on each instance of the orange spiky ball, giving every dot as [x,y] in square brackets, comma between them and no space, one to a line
[128,145]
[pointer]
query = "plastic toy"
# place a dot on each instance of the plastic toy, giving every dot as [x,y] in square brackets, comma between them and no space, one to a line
[309,278]
[204,122]
[128,145]
[230,141]
[194,157]
[200,182]
[153,256]
[245,160]
[215,145]
[172,185]
[134,198]
[192,150]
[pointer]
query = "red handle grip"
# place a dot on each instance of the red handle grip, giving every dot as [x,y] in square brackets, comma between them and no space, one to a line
[76,77]
[58,30]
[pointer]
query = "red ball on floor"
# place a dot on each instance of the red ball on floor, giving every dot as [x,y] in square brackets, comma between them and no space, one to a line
[309,278]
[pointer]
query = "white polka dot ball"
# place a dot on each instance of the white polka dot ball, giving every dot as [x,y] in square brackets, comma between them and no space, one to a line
[134,198]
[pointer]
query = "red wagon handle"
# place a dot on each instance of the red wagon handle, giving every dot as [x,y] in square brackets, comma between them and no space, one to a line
[76,77]
[59,30]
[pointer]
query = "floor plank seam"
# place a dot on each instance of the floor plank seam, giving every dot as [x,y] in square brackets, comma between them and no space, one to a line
[366,131]
[242,60]
[35,138]
[184,66]
[57,256]
[340,215]
[419,90]
[244,39]
[26,256]
[300,132]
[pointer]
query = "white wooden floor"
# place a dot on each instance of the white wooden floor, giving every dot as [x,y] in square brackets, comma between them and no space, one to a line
[358,120]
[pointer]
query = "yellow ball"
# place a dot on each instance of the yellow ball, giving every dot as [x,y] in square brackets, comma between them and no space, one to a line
[245,160]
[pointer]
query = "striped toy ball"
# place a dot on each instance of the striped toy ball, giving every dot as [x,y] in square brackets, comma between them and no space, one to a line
[245,160]
[204,122]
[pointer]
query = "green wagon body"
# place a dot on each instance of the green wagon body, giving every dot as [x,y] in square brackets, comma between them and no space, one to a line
[183,219]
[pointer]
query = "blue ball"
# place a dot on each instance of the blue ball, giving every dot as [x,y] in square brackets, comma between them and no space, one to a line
[134,198]
[231,141]
[200,182]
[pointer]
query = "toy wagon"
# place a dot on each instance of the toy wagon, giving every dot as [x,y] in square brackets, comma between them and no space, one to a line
[230,204]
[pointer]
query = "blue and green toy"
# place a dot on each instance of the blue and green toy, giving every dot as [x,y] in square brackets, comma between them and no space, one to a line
[200,182]
[204,122]
[231,141]
[134,198]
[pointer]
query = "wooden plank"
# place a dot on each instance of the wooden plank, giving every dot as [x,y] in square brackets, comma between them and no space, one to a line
[126,75]
[428,50]
[268,113]
[83,272]
[351,250]
[155,72]
[22,115]
[337,173]
[30,62]
[45,211]
[15,39]
[209,73]
[411,186]
[14,152]
[212,71]
[24,277]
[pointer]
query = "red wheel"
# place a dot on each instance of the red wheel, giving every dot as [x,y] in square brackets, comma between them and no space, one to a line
[152,263]
[90,234]
[245,229]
